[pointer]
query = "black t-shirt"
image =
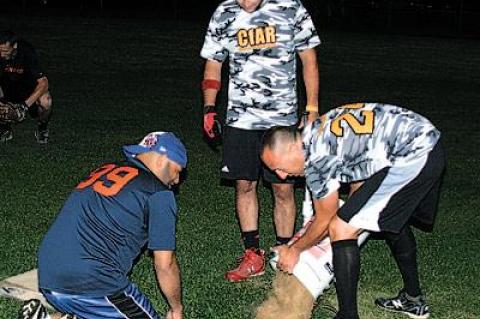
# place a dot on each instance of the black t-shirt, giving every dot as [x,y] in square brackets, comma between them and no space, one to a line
[18,76]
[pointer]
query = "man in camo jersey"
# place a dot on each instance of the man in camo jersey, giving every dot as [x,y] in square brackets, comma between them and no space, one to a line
[393,161]
[261,40]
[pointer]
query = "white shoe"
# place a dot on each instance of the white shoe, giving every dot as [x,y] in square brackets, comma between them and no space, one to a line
[33,309]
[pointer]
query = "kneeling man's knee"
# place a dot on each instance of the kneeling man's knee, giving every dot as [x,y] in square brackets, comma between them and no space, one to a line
[46,101]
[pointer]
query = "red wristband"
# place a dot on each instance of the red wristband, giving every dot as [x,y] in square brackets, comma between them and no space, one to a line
[210,84]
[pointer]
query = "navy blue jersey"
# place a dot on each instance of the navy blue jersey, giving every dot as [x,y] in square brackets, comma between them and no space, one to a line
[102,228]
[18,76]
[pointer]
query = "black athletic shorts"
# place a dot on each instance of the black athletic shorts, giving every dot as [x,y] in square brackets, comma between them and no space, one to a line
[398,195]
[241,157]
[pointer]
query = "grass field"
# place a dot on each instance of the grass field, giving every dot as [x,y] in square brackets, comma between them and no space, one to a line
[115,80]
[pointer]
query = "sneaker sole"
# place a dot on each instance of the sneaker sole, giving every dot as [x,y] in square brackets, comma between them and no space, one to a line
[246,278]
[405,313]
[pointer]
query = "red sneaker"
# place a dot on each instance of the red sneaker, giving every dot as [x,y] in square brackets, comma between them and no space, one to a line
[251,264]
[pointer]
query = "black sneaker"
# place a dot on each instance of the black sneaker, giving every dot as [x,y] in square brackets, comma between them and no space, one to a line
[6,135]
[42,136]
[414,307]
[33,309]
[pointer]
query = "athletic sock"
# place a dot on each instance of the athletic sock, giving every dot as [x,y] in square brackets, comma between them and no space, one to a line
[282,240]
[250,239]
[42,126]
[404,251]
[346,266]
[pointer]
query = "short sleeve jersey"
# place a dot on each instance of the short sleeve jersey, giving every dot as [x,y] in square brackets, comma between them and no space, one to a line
[103,227]
[261,47]
[353,142]
[18,76]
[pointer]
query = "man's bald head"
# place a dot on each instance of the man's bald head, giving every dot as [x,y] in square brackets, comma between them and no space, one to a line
[282,151]
[279,136]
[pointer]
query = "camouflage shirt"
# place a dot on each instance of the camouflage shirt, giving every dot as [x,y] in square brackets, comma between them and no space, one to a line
[261,47]
[353,142]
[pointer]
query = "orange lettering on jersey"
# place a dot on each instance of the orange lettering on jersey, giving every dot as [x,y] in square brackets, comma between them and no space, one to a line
[270,34]
[357,127]
[256,38]
[251,36]
[259,36]
[115,178]
[242,38]
[96,174]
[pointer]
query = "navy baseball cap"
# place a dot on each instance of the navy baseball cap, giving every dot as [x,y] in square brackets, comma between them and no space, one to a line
[165,143]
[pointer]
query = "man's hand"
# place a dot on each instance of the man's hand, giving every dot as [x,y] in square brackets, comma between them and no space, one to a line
[288,257]
[168,277]
[312,117]
[307,118]
[174,314]
[212,129]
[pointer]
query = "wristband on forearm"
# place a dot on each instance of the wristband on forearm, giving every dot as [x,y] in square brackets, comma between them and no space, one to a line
[311,108]
[211,84]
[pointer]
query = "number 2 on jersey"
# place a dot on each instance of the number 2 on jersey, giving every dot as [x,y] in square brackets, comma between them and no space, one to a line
[116,178]
[357,126]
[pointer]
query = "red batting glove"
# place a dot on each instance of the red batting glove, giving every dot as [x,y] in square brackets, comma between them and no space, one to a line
[211,125]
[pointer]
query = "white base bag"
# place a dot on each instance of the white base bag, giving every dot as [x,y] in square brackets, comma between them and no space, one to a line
[314,268]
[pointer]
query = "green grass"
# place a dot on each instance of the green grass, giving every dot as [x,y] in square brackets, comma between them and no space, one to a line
[114,80]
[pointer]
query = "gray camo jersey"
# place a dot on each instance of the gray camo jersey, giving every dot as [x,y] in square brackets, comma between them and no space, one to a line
[261,47]
[353,142]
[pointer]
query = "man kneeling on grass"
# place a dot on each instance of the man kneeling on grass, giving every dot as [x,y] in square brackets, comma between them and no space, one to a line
[88,252]
[393,161]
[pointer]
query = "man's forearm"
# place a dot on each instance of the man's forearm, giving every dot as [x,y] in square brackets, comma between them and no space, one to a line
[325,210]
[40,89]
[312,82]
[213,71]
[170,284]
[210,97]
[311,76]
[314,233]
